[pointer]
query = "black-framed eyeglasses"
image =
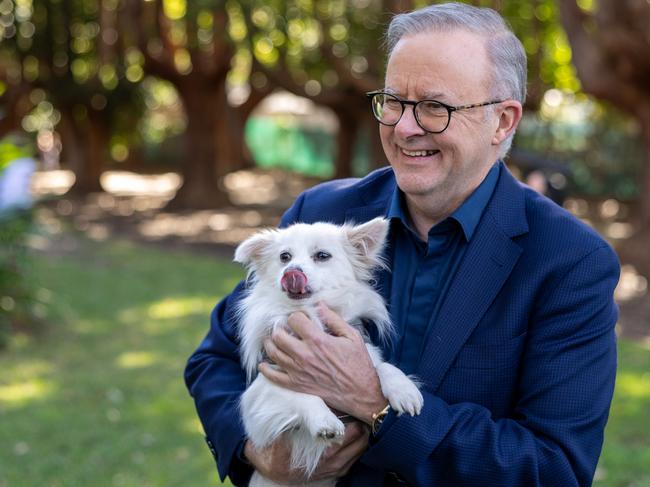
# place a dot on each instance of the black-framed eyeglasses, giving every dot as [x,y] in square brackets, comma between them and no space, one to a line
[431,115]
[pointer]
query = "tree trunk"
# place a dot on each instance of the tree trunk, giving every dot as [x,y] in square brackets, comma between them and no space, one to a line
[644,184]
[16,105]
[377,154]
[242,158]
[204,104]
[345,141]
[84,149]
[215,143]
[229,139]
[610,46]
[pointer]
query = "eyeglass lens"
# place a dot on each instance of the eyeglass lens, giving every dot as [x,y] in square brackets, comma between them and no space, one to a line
[431,115]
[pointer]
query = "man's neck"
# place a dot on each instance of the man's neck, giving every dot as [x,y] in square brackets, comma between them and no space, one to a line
[425,211]
[424,215]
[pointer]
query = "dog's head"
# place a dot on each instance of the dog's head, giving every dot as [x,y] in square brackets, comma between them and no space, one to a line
[305,259]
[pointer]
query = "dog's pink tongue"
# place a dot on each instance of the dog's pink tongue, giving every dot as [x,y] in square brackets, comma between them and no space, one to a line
[294,281]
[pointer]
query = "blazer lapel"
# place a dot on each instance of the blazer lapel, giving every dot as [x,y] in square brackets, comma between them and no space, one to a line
[490,257]
[468,298]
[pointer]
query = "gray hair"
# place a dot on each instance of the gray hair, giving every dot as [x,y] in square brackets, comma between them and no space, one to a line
[504,50]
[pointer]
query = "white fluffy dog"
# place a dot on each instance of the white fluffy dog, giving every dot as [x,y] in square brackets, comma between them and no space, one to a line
[292,270]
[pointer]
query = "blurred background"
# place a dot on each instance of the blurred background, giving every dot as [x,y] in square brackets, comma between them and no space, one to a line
[140,140]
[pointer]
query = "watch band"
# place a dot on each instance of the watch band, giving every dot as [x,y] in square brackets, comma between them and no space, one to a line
[378,419]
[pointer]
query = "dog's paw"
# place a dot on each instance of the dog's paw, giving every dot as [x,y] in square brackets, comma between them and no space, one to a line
[326,427]
[402,393]
[406,398]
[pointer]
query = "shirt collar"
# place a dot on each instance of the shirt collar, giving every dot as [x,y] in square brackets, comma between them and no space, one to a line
[467,215]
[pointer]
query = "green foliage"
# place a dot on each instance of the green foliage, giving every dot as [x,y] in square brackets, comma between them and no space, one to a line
[10,151]
[16,286]
[69,55]
[314,39]
[318,42]
[599,146]
[537,25]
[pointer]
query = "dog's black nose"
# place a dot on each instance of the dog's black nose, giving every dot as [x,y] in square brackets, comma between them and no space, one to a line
[294,267]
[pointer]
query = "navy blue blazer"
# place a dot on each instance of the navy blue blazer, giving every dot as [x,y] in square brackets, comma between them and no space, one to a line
[517,372]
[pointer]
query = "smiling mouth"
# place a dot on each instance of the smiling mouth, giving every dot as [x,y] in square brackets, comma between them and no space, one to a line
[419,153]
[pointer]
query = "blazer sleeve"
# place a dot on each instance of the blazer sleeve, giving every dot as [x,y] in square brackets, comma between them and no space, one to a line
[555,432]
[215,379]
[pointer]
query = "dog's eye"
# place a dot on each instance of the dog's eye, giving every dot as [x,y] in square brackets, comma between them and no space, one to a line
[285,257]
[321,256]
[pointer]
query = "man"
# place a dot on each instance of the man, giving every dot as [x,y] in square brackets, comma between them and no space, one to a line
[502,300]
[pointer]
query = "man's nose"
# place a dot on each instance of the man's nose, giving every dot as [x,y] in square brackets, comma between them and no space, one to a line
[408,125]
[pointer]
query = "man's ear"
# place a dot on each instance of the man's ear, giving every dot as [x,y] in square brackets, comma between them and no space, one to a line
[253,247]
[368,238]
[510,112]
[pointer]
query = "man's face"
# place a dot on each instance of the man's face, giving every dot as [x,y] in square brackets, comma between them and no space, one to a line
[451,67]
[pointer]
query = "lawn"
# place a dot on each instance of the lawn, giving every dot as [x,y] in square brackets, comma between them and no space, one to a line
[97,398]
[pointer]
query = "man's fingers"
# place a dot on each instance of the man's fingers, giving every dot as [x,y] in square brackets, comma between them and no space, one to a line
[354,449]
[288,344]
[338,459]
[273,374]
[335,324]
[354,431]
[347,466]
[302,325]
[277,355]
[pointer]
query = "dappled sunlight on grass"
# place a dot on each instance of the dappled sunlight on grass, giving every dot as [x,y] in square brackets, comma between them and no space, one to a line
[192,425]
[28,369]
[104,403]
[27,383]
[179,307]
[55,182]
[24,391]
[137,360]
[635,386]
[169,314]
[87,327]
[128,183]
[631,284]
[226,227]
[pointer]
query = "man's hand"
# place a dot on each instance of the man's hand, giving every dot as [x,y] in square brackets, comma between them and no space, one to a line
[274,461]
[335,367]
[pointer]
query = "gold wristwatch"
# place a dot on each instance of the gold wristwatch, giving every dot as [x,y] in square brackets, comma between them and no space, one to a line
[378,419]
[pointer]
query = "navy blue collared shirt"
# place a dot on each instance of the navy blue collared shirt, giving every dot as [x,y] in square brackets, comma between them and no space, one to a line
[422,271]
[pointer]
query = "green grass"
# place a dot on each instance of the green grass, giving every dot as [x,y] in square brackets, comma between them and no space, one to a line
[97,399]
[625,461]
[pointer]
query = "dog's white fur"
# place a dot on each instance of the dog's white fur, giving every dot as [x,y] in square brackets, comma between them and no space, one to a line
[342,282]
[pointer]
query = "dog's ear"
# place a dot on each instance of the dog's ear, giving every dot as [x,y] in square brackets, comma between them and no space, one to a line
[253,247]
[368,238]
